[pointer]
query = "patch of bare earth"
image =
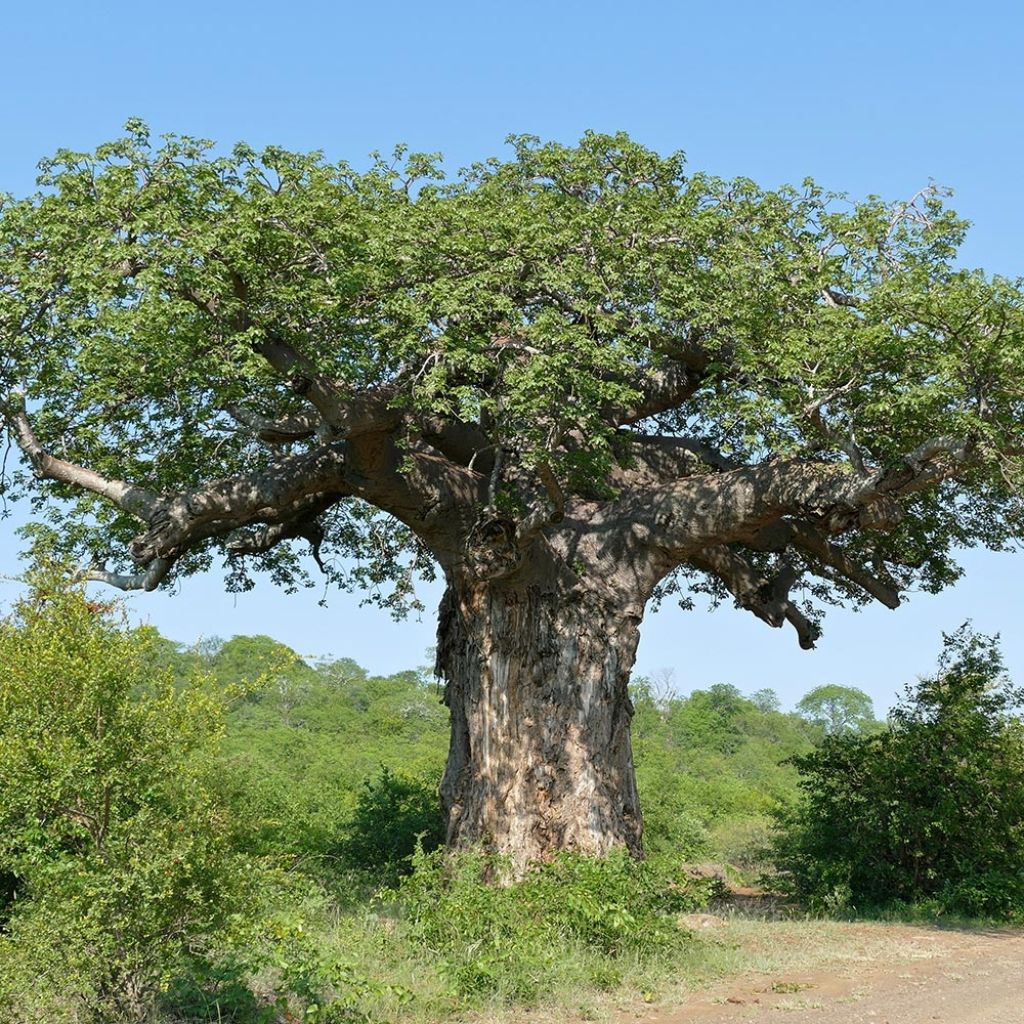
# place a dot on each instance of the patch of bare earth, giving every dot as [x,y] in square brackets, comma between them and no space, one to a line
[856,974]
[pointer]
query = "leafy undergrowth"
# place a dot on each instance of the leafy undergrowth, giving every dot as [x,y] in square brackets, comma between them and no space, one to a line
[445,946]
[448,940]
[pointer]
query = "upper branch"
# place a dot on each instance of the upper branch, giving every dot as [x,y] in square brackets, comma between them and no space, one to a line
[348,413]
[281,430]
[658,459]
[665,388]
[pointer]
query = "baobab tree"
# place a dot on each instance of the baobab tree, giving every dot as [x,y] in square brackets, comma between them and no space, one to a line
[576,382]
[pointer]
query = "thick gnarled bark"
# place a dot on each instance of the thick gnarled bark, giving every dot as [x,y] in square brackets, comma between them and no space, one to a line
[540,757]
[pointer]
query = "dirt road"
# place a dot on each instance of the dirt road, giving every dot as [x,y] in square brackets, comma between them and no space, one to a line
[886,975]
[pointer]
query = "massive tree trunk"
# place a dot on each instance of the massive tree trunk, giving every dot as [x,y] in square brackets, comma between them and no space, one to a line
[540,757]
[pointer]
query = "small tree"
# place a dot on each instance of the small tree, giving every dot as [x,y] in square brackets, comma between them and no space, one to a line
[766,699]
[394,813]
[837,709]
[105,820]
[930,809]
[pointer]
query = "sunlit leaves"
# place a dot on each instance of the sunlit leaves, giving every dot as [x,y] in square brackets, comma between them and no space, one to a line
[528,296]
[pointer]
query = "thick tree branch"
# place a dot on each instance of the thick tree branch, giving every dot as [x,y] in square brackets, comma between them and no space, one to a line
[463,443]
[271,495]
[348,413]
[792,533]
[767,599]
[928,464]
[137,501]
[546,510]
[656,458]
[836,298]
[149,579]
[732,507]
[304,523]
[814,543]
[284,430]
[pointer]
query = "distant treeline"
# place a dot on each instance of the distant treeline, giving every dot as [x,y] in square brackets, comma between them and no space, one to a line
[309,738]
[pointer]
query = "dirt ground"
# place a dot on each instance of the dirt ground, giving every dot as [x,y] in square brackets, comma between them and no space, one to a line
[862,974]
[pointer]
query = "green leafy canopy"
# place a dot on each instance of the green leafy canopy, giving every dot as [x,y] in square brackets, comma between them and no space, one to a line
[527,296]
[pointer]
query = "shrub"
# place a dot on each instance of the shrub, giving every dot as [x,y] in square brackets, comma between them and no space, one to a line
[513,939]
[105,821]
[393,813]
[216,990]
[930,810]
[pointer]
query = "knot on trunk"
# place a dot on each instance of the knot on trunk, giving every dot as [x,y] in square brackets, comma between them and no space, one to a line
[491,547]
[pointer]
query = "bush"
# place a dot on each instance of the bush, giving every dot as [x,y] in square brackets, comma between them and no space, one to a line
[514,940]
[745,844]
[929,811]
[393,814]
[106,823]
[216,990]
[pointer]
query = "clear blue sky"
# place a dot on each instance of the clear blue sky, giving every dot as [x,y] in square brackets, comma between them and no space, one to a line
[868,98]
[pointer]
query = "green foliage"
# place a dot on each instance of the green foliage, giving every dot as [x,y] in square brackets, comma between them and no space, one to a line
[838,708]
[509,939]
[231,881]
[393,816]
[106,820]
[299,750]
[929,811]
[708,760]
[138,285]
[216,991]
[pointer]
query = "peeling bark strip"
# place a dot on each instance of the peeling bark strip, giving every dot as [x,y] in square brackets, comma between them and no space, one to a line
[540,756]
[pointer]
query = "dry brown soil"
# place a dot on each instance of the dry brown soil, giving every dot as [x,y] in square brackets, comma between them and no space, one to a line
[860,974]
